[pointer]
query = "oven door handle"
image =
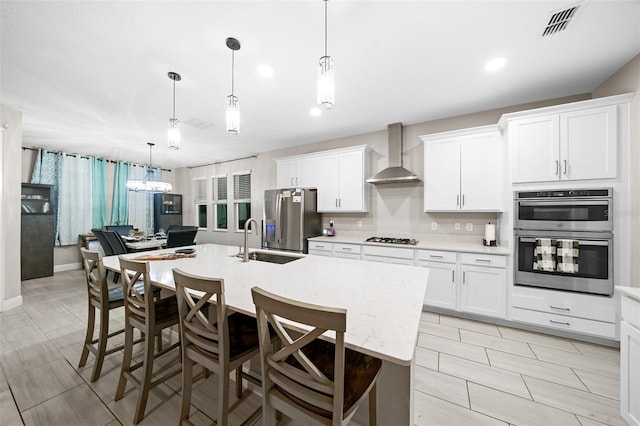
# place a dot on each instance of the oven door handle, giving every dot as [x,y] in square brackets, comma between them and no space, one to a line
[563,202]
[580,242]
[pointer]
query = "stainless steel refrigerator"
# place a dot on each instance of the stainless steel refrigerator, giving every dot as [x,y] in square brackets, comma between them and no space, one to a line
[290,217]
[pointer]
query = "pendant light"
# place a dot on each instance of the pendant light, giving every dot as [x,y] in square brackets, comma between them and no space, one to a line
[147,184]
[326,88]
[173,135]
[233,107]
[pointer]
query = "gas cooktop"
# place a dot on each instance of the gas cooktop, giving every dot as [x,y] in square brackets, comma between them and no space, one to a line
[386,240]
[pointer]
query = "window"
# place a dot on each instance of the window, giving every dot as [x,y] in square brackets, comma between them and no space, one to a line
[201,199]
[242,198]
[220,210]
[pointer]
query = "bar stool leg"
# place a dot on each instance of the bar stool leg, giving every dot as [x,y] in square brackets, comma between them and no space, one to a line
[102,344]
[126,360]
[91,322]
[187,383]
[145,383]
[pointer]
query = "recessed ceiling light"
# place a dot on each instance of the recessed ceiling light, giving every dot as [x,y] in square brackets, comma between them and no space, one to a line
[265,70]
[315,112]
[495,64]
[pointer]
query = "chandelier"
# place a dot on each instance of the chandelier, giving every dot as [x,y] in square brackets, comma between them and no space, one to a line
[148,184]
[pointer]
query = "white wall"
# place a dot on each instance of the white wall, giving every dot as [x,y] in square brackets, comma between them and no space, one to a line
[10,189]
[627,80]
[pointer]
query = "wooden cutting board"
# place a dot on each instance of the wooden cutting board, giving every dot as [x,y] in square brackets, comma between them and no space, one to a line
[165,256]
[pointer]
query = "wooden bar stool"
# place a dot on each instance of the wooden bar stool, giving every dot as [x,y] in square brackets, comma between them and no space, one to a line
[104,299]
[220,344]
[311,380]
[150,316]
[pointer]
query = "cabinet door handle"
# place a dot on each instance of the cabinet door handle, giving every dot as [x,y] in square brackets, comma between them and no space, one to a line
[557,167]
[296,180]
[292,181]
[565,167]
[457,200]
[318,246]
[464,277]
[339,202]
[346,249]
[484,260]
[453,277]
[462,200]
[561,309]
[560,322]
[434,256]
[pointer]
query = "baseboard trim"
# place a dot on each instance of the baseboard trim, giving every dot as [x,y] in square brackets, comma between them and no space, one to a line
[14,302]
[67,267]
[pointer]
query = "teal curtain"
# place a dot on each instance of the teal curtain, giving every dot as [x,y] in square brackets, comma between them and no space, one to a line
[99,192]
[120,204]
[46,171]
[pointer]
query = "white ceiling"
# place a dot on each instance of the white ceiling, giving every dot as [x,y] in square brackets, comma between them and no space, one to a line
[91,77]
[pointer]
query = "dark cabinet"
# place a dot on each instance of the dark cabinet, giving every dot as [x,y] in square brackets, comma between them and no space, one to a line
[37,231]
[167,210]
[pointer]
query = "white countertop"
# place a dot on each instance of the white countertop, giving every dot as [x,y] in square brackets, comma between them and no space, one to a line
[633,292]
[423,244]
[383,301]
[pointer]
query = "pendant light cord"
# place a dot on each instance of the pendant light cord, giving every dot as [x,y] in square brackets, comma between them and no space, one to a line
[325,27]
[233,56]
[174,98]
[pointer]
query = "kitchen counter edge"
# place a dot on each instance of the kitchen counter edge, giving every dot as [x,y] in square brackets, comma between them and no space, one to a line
[633,292]
[422,245]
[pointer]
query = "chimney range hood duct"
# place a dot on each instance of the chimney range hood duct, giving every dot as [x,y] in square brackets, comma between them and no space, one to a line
[395,173]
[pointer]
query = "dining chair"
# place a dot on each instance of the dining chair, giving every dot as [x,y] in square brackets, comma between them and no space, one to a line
[213,339]
[173,228]
[181,238]
[118,246]
[120,229]
[309,379]
[106,248]
[150,316]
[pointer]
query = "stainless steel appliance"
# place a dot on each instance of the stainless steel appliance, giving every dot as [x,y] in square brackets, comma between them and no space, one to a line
[564,240]
[389,240]
[290,218]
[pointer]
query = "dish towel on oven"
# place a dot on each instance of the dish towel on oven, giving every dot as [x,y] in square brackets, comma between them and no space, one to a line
[545,255]
[567,253]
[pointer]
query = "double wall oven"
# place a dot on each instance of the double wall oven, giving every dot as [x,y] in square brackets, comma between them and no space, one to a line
[564,240]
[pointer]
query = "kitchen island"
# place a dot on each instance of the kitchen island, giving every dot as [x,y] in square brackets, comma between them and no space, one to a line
[383,304]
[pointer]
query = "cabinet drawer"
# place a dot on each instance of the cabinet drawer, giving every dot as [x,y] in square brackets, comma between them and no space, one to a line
[563,305]
[437,256]
[320,253]
[483,260]
[346,248]
[320,246]
[630,311]
[401,253]
[561,322]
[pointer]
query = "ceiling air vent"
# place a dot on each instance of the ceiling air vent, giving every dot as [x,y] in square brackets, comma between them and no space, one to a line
[198,124]
[559,20]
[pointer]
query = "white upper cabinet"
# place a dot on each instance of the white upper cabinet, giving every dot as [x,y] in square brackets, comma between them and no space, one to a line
[342,186]
[297,172]
[463,170]
[339,175]
[573,142]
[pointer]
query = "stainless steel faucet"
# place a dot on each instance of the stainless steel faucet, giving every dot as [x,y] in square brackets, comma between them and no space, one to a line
[245,254]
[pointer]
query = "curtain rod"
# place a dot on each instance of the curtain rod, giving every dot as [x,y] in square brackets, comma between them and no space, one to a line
[84,156]
[224,161]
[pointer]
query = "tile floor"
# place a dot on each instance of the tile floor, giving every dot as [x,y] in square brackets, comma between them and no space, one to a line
[467,372]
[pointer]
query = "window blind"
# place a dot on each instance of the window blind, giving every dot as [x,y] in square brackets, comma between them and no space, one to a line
[242,186]
[200,191]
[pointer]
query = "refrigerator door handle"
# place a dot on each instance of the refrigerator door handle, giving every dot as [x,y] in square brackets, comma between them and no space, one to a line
[278,233]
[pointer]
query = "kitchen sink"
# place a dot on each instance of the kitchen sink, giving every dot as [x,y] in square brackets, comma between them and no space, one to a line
[269,257]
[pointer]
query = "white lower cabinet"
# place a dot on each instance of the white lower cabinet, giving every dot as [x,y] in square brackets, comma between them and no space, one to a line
[629,357]
[581,313]
[321,248]
[466,282]
[347,251]
[397,255]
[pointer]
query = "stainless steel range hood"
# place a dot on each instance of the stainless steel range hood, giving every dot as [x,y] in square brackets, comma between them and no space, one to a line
[395,173]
